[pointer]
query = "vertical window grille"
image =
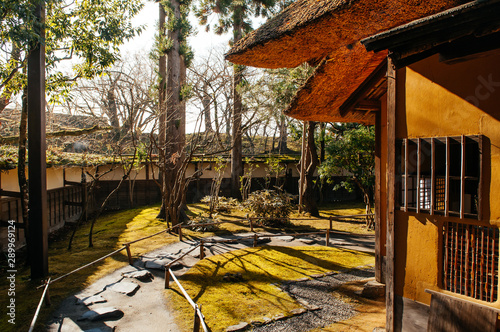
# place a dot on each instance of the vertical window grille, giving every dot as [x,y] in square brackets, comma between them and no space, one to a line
[440,175]
[471,261]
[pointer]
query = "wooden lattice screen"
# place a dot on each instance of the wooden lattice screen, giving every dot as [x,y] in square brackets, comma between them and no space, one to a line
[471,260]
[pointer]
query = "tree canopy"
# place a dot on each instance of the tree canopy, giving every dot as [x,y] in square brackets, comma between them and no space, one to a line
[89,32]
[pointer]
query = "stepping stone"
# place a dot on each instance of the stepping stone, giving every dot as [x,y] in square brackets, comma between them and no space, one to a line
[141,275]
[125,287]
[91,300]
[316,276]
[279,317]
[286,238]
[239,327]
[298,311]
[67,325]
[307,241]
[157,264]
[373,290]
[263,240]
[105,313]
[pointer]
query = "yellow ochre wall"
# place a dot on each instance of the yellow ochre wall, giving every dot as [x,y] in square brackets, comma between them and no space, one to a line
[438,100]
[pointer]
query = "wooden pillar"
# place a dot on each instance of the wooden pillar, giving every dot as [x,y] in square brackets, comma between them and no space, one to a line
[302,165]
[390,177]
[129,254]
[167,276]
[37,180]
[379,275]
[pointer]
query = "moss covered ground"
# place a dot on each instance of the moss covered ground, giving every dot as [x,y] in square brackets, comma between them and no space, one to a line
[256,296]
[110,232]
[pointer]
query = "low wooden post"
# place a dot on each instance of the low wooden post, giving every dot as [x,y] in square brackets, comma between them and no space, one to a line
[167,276]
[327,241]
[251,223]
[197,323]
[255,238]
[331,221]
[47,297]
[129,254]
[202,250]
[180,232]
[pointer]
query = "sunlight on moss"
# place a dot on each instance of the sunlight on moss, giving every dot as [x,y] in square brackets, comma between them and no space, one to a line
[228,303]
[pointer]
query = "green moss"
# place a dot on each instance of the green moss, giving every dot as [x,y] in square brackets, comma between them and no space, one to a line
[228,303]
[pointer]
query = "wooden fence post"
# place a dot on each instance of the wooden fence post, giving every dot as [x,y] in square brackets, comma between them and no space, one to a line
[197,323]
[255,237]
[202,250]
[331,220]
[180,232]
[47,297]
[167,276]
[129,254]
[327,241]
[251,223]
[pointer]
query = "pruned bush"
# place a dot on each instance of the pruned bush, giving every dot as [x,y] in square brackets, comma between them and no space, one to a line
[198,222]
[273,207]
[223,204]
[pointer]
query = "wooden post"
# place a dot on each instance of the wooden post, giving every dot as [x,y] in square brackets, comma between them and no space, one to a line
[197,323]
[202,250]
[129,254]
[47,297]
[302,165]
[167,276]
[255,237]
[37,225]
[331,221]
[251,223]
[379,274]
[180,232]
[390,176]
[327,240]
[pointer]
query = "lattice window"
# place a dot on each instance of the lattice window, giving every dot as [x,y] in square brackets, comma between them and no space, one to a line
[440,175]
[471,260]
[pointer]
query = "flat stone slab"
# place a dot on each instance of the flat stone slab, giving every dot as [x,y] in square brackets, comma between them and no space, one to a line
[298,311]
[286,238]
[157,264]
[91,300]
[307,241]
[262,240]
[239,327]
[142,275]
[67,325]
[105,313]
[373,290]
[125,287]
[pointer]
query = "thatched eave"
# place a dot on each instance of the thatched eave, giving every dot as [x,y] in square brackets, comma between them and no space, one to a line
[335,80]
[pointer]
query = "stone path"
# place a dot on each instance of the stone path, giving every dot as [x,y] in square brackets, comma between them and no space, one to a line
[131,298]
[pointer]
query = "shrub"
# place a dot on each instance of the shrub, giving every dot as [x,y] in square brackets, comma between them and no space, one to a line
[269,204]
[223,204]
[199,221]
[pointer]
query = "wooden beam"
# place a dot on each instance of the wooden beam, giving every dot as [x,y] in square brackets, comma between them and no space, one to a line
[447,180]
[376,76]
[419,161]
[433,175]
[480,188]
[390,179]
[371,105]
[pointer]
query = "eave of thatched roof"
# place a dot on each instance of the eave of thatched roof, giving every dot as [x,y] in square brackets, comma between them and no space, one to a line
[333,83]
[309,30]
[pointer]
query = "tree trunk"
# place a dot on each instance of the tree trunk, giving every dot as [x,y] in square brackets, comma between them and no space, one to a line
[162,110]
[282,144]
[206,109]
[311,162]
[175,127]
[237,149]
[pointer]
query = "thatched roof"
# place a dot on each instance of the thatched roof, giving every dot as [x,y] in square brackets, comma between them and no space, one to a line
[308,30]
[328,32]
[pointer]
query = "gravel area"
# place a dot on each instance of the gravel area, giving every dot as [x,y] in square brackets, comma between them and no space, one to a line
[317,293]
